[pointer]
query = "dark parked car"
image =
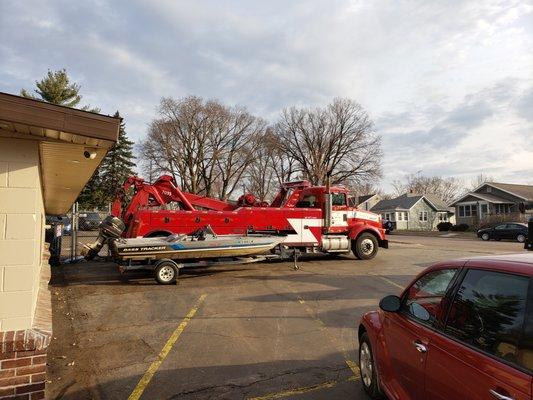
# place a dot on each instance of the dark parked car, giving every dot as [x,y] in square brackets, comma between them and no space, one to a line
[509,230]
[89,221]
[60,219]
[461,330]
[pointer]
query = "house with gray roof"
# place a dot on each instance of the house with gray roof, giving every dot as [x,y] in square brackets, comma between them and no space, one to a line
[495,202]
[421,212]
[367,202]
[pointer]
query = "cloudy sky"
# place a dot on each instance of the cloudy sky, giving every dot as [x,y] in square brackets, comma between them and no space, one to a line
[448,84]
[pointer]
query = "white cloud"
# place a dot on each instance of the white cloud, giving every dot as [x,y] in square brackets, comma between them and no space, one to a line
[442,72]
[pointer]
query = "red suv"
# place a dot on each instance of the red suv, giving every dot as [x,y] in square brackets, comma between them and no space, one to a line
[461,330]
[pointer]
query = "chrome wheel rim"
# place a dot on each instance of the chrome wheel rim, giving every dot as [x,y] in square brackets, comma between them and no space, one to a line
[365,364]
[521,238]
[166,274]
[485,236]
[367,246]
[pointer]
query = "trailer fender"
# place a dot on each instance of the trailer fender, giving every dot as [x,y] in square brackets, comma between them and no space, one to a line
[380,236]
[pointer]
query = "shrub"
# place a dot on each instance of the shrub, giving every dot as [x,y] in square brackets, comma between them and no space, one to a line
[444,226]
[460,228]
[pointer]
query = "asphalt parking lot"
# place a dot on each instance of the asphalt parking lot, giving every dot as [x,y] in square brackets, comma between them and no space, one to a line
[261,331]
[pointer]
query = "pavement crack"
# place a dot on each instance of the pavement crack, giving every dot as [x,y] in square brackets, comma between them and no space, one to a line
[229,385]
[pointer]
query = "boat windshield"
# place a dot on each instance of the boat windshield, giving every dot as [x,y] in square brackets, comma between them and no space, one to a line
[175,238]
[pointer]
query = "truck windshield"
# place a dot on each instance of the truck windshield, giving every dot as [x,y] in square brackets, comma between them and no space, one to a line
[307,201]
[338,199]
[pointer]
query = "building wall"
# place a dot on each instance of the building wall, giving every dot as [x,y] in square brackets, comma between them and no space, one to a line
[21,232]
[371,202]
[432,220]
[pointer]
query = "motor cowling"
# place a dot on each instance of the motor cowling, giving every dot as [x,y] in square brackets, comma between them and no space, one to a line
[110,228]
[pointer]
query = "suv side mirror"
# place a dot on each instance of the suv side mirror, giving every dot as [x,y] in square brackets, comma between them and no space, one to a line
[390,303]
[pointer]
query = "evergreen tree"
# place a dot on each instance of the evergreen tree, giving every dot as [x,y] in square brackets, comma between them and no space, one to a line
[117,165]
[56,88]
[91,195]
[115,168]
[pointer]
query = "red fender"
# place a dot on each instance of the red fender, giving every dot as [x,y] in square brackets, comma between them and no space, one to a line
[358,229]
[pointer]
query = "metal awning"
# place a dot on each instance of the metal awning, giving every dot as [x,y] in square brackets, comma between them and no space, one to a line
[72,143]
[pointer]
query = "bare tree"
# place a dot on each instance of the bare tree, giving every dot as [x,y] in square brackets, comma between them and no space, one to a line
[478,180]
[367,188]
[338,138]
[445,188]
[238,138]
[270,168]
[204,145]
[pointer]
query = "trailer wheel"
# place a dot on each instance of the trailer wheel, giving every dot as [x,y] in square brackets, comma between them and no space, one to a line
[166,272]
[365,246]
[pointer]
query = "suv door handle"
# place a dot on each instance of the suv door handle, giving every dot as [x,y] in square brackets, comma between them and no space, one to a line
[421,348]
[499,396]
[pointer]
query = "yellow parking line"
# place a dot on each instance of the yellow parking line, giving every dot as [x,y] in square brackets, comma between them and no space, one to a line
[389,281]
[302,390]
[145,380]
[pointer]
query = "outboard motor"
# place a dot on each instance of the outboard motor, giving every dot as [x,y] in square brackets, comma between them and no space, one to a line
[110,228]
[528,245]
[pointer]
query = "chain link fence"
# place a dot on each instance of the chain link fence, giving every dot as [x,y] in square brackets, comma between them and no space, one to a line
[79,228]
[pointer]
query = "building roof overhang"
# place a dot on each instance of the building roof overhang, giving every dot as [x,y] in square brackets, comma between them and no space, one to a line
[64,136]
[482,196]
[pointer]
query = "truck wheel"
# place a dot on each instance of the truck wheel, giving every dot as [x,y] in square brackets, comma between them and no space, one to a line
[365,246]
[166,272]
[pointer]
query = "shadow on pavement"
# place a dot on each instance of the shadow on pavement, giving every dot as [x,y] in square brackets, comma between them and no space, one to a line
[327,377]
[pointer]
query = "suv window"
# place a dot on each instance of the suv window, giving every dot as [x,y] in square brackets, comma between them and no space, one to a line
[428,292]
[488,312]
[514,226]
[525,347]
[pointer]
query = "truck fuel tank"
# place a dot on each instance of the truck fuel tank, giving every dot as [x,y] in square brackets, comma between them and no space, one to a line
[335,243]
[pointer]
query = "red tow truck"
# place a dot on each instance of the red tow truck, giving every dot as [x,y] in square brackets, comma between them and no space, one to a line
[315,219]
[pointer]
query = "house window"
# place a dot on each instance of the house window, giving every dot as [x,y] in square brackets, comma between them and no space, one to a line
[502,208]
[443,217]
[405,216]
[423,216]
[399,216]
[468,210]
[484,208]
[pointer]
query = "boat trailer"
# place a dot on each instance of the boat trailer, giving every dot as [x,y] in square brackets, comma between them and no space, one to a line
[167,256]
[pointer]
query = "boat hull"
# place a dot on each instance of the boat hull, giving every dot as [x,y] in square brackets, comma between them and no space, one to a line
[227,246]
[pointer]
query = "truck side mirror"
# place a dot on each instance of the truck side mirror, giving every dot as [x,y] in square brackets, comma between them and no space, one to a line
[390,303]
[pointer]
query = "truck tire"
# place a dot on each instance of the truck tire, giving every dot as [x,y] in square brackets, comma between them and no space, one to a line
[166,272]
[365,247]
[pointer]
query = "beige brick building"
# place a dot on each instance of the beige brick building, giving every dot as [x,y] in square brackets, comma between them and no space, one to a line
[47,154]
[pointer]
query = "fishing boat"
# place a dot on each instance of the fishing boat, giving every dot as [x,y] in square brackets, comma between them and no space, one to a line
[187,247]
[166,256]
